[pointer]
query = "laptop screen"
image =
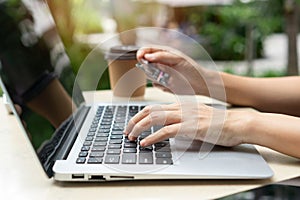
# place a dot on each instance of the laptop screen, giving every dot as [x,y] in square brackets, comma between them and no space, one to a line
[35,69]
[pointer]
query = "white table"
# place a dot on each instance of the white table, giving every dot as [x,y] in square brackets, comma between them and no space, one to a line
[22,177]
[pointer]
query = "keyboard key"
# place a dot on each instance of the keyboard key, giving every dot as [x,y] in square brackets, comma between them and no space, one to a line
[120,120]
[129,158]
[146,158]
[163,155]
[80,160]
[107,116]
[87,143]
[164,161]
[94,126]
[97,118]
[118,128]
[92,130]
[102,135]
[130,145]
[162,144]
[147,149]
[126,140]
[114,146]
[107,120]
[83,154]
[115,141]
[96,154]
[113,151]
[98,148]
[105,127]
[117,133]
[95,160]
[103,123]
[89,138]
[101,139]
[95,122]
[85,148]
[112,159]
[99,144]
[104,130]
[129,150]
[116,137]
[163,149]
[134,108]
[91,134]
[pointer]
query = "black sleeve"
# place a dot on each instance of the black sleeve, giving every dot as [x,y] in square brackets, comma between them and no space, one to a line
[25,59]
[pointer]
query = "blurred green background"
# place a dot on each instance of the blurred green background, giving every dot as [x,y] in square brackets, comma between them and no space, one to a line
[223,30]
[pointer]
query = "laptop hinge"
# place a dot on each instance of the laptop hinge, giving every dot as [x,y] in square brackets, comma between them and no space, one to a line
[59,146]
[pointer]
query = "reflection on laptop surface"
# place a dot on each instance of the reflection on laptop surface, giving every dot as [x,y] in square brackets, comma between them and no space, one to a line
[79,142]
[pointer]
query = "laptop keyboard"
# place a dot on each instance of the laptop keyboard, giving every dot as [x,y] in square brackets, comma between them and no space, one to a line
[105,142]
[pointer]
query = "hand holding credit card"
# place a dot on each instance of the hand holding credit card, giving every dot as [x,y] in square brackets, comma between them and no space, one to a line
[153,72]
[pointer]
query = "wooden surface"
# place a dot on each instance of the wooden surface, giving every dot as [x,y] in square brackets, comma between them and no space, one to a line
[22,177]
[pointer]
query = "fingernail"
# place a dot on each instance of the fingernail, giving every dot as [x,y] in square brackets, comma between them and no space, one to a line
[139,53]
[143,143]
[130,137]
[149,56]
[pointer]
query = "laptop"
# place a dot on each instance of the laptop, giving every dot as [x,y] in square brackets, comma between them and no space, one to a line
[87,144]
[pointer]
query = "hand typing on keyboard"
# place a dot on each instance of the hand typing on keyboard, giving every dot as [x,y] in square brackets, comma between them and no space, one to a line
[195,120]
[105,142]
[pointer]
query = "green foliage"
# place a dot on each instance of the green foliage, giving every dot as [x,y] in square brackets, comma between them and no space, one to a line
[78,53]
[273,73]
[85,18]
[223,28]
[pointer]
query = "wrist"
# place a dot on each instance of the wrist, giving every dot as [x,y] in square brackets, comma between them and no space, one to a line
[215,87]
[242,125]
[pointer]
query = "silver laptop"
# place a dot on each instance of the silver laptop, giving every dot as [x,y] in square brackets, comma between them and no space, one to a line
[89,144]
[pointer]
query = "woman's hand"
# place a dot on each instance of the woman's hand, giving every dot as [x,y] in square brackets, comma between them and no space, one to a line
[193,120]
[186,76]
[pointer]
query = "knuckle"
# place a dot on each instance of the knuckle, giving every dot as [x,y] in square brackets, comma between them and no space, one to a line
[147,109]
[138,127]
[168,131]
[146,123]
[154,116]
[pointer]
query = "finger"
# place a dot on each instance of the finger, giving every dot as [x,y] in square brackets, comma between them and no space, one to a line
[153,119]
[146,50]
[135,119]
[162,134]
[139,116]
[145,112]
[163,57]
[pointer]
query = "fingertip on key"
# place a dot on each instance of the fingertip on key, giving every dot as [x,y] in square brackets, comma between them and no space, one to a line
[131,138]
[143,143]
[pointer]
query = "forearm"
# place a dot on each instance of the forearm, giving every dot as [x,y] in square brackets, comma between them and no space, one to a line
[278,95]
[53,103]
[276,131]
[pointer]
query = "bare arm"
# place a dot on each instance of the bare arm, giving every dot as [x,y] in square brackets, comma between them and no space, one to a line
[277,95]
[271,95]
[276,131]
[53,103]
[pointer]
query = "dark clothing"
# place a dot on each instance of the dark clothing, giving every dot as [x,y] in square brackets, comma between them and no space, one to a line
[25,58]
